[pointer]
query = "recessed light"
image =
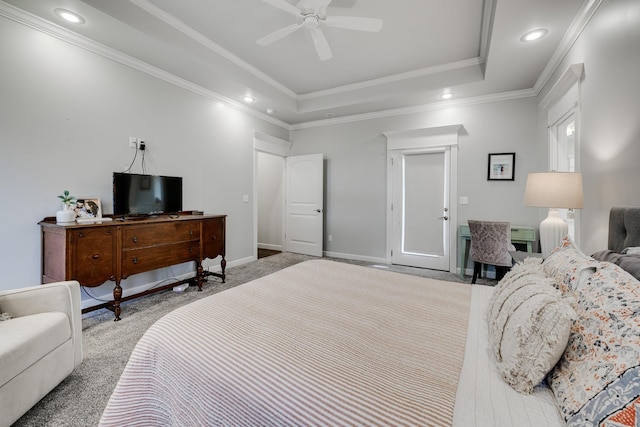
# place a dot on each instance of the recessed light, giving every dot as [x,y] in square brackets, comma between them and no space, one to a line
[447,95]
[533,35]
[69,16]
[270,111]
[249,98]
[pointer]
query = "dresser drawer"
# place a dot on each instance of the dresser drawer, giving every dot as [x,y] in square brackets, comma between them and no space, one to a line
[140,260]
[140,236]
[213,239]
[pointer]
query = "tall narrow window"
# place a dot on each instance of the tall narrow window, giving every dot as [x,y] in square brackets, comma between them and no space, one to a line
[562,104]
[563,158]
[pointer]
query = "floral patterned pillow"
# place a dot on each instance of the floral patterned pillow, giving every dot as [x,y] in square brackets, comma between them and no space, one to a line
[569,266]
[598,377]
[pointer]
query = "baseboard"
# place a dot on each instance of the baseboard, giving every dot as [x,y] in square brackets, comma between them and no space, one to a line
[488,274]
[355,257]
[100,299]
[270,247]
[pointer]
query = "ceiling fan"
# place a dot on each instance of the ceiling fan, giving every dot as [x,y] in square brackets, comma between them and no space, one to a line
[312,14]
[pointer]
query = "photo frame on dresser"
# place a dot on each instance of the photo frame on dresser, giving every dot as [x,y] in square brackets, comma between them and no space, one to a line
[501,167]
[88,207]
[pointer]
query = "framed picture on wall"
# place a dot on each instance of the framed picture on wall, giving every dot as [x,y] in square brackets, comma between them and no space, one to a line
[88,207]
[501,167]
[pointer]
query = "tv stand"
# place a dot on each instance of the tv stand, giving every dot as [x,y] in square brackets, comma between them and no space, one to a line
[95,253]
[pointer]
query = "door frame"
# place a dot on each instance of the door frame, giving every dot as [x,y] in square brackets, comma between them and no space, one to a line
[419,139]
[271,145]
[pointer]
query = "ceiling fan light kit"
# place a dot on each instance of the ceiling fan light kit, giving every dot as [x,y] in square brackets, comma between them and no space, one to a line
[312,14]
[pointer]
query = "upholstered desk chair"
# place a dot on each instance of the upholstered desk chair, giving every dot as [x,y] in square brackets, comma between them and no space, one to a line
[490,244]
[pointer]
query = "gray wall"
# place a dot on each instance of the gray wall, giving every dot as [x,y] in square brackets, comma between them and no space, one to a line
[67,114]
[66,118]
[356,181]
[609,47]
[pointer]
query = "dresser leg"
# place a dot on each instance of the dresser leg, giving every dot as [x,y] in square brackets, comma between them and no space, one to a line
[223,265]
[117,295]
[199,276]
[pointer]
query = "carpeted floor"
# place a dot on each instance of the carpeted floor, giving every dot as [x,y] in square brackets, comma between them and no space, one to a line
[80,399]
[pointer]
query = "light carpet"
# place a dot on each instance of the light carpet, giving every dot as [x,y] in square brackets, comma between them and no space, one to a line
[80,399]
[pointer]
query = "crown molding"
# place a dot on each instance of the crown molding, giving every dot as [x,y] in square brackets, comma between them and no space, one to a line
[27,19]
[392,78]
[200,38]
[485,99]
[575,30]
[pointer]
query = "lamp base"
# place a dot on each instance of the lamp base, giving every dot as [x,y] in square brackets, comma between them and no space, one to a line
[552,231]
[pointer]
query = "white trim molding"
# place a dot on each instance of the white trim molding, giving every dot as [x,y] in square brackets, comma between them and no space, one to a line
[573,74]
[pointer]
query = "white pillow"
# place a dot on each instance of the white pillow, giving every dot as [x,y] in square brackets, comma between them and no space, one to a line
[529,327]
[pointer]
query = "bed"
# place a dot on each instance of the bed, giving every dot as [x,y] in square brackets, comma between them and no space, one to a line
[335,344]
[623,247]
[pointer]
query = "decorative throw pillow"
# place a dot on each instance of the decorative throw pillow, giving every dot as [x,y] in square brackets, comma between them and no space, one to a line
[529,326]
[569,266]
[4,316]
[633,250]
[598,376]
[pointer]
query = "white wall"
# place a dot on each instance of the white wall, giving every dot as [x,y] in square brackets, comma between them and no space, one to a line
[609,47]
[270,188]
[65,119]
[355,154]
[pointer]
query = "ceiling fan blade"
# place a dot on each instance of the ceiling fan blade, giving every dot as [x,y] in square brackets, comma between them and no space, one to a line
[277,35]
[355,23]
[283,5]
[322,46]
[322,9]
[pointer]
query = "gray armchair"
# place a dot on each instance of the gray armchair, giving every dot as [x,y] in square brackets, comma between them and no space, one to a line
[490,245]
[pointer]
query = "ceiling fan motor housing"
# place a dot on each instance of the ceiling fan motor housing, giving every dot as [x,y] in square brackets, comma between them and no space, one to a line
[311,21]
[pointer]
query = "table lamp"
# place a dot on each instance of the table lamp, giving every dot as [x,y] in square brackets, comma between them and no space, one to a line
[553,190]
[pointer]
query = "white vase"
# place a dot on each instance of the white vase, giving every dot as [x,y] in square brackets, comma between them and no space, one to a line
[67,214]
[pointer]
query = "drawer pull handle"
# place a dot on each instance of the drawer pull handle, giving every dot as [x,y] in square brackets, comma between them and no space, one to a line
[135,260]
[81,234]
[214,237]
[190,232]
[135,239]
[190,250]
[95,256]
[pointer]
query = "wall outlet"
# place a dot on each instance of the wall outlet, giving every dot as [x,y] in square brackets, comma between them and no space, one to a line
[464,200]
[330,238]
[133,142]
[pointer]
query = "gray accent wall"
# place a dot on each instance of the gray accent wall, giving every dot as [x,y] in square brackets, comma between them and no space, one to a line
[67,114]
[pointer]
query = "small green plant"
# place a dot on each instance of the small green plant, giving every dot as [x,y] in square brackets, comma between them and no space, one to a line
[67,199]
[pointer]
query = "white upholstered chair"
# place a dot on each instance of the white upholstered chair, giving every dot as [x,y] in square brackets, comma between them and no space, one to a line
[39,346]
[490,245]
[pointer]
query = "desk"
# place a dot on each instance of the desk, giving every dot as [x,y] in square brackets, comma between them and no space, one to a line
[519,234]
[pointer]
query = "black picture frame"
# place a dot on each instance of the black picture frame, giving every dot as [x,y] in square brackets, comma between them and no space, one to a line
[501,167]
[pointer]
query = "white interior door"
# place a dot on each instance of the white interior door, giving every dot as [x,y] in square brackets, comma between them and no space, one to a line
[420,206]
[304,212]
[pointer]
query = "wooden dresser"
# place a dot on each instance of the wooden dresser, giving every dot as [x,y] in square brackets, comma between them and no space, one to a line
[94,253]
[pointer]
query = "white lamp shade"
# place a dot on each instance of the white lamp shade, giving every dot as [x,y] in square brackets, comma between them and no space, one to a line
[554,190]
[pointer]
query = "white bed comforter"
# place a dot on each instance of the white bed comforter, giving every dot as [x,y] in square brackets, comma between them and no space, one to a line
[322,343]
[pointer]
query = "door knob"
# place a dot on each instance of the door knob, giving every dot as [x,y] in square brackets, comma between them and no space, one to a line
[444,217]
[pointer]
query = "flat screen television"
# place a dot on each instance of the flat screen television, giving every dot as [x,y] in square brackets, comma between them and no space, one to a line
[140,195]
